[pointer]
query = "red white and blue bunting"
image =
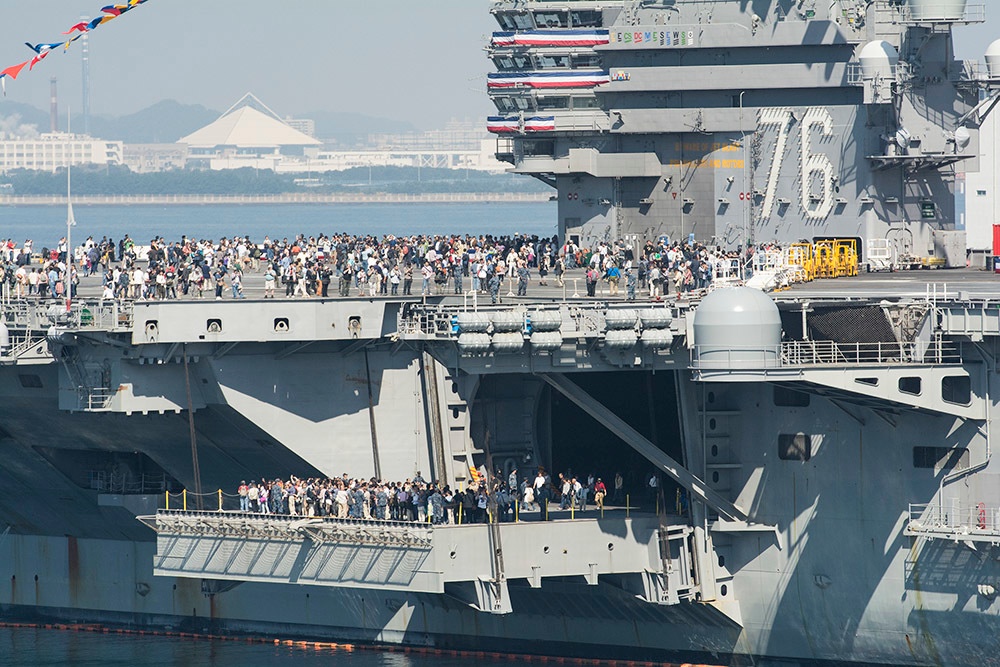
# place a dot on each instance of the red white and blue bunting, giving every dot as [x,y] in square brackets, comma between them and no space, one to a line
[513,124]
[552,38]
[549,79]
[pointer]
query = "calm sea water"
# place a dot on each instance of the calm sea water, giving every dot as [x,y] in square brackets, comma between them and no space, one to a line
[42,648]
[46,225]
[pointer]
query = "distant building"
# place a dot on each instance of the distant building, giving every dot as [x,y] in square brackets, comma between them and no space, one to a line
[480,158]
[149,158]
[306,126]
[249,134]
[56,150]
[455,136]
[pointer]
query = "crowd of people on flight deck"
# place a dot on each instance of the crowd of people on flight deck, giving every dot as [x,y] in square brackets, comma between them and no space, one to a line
[351,265]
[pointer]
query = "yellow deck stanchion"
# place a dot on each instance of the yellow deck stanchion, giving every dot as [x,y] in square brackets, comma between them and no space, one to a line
[220,500]
[168,500]
[184,497]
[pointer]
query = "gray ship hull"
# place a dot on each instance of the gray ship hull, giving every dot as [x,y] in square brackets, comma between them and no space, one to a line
[554,622]
[834,578]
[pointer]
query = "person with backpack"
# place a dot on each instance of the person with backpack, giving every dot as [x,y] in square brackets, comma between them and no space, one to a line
[244,499]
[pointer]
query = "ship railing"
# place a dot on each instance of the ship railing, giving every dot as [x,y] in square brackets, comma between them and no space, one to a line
[803,353]
[901,71]
[942,11]
[39,316]
[101,315]
[970,72]
[952,520]
[94,400]
[22,314]
[854,74]
[806,353]
[21,344]
[127,484]
[270,526]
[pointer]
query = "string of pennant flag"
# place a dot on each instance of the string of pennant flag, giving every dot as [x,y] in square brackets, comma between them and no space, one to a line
[109,13]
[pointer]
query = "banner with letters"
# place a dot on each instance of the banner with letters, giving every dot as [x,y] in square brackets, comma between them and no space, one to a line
[653,38]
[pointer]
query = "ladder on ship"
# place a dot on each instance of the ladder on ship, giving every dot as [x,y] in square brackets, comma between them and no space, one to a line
[89,398]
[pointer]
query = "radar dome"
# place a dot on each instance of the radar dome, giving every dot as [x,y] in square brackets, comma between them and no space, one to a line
[878,58]
[993,59]
[936,10]
[962,139]
[737,328]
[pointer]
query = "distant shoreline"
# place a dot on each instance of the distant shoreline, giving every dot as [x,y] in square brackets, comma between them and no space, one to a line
[288,199]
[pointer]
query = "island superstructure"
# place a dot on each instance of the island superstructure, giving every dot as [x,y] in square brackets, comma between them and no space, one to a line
[742,123]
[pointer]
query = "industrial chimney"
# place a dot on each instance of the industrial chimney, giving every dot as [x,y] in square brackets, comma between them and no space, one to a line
[54,110]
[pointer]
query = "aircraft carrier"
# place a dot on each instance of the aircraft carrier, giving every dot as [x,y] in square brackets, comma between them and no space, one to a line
[834,440]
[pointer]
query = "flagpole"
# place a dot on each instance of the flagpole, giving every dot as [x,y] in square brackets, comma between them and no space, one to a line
[68,278]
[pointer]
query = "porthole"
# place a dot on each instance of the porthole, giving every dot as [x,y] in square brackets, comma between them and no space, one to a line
[715,451]
[723,590]
[715,477]
[712,424]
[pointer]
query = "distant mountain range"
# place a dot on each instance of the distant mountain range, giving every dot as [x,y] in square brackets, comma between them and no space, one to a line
[167,121]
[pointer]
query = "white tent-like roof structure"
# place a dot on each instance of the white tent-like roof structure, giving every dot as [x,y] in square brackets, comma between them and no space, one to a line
[248,124]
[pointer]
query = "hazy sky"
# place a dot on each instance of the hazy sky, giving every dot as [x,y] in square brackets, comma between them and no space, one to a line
[405,59]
